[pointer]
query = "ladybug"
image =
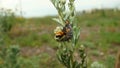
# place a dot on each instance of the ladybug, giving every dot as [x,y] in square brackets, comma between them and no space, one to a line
[64,33]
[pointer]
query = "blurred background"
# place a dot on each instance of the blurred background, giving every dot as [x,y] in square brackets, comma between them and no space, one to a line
[27,38]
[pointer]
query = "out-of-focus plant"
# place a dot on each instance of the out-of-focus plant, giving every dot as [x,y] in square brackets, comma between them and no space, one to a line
[9,57]
[97,65]
[8,19]
[70,54]
[8,54]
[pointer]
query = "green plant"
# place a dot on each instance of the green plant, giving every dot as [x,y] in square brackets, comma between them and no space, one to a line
[110,61]
[29,62]
[8,54]
[8,19]
[70,54]
[96,64]
[9,57]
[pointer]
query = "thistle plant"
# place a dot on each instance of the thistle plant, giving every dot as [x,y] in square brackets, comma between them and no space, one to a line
[69,53]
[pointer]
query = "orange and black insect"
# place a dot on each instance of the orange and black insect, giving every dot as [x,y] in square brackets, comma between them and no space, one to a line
[66,33]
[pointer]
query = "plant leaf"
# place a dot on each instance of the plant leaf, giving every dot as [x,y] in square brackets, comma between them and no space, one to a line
[58,21]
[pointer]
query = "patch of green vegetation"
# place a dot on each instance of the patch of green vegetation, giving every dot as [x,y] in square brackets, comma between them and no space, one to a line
[31,39]
[48,40]
[9,56]
[41,61]
[88,44]
[95,52]
[110,61]
[111,37]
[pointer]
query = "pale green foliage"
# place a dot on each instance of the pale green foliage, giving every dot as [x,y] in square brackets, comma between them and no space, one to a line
[60,5]
[76,34]
[67,50]
[97,65]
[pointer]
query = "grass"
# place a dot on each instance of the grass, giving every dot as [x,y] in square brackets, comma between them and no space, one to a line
[43,60]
